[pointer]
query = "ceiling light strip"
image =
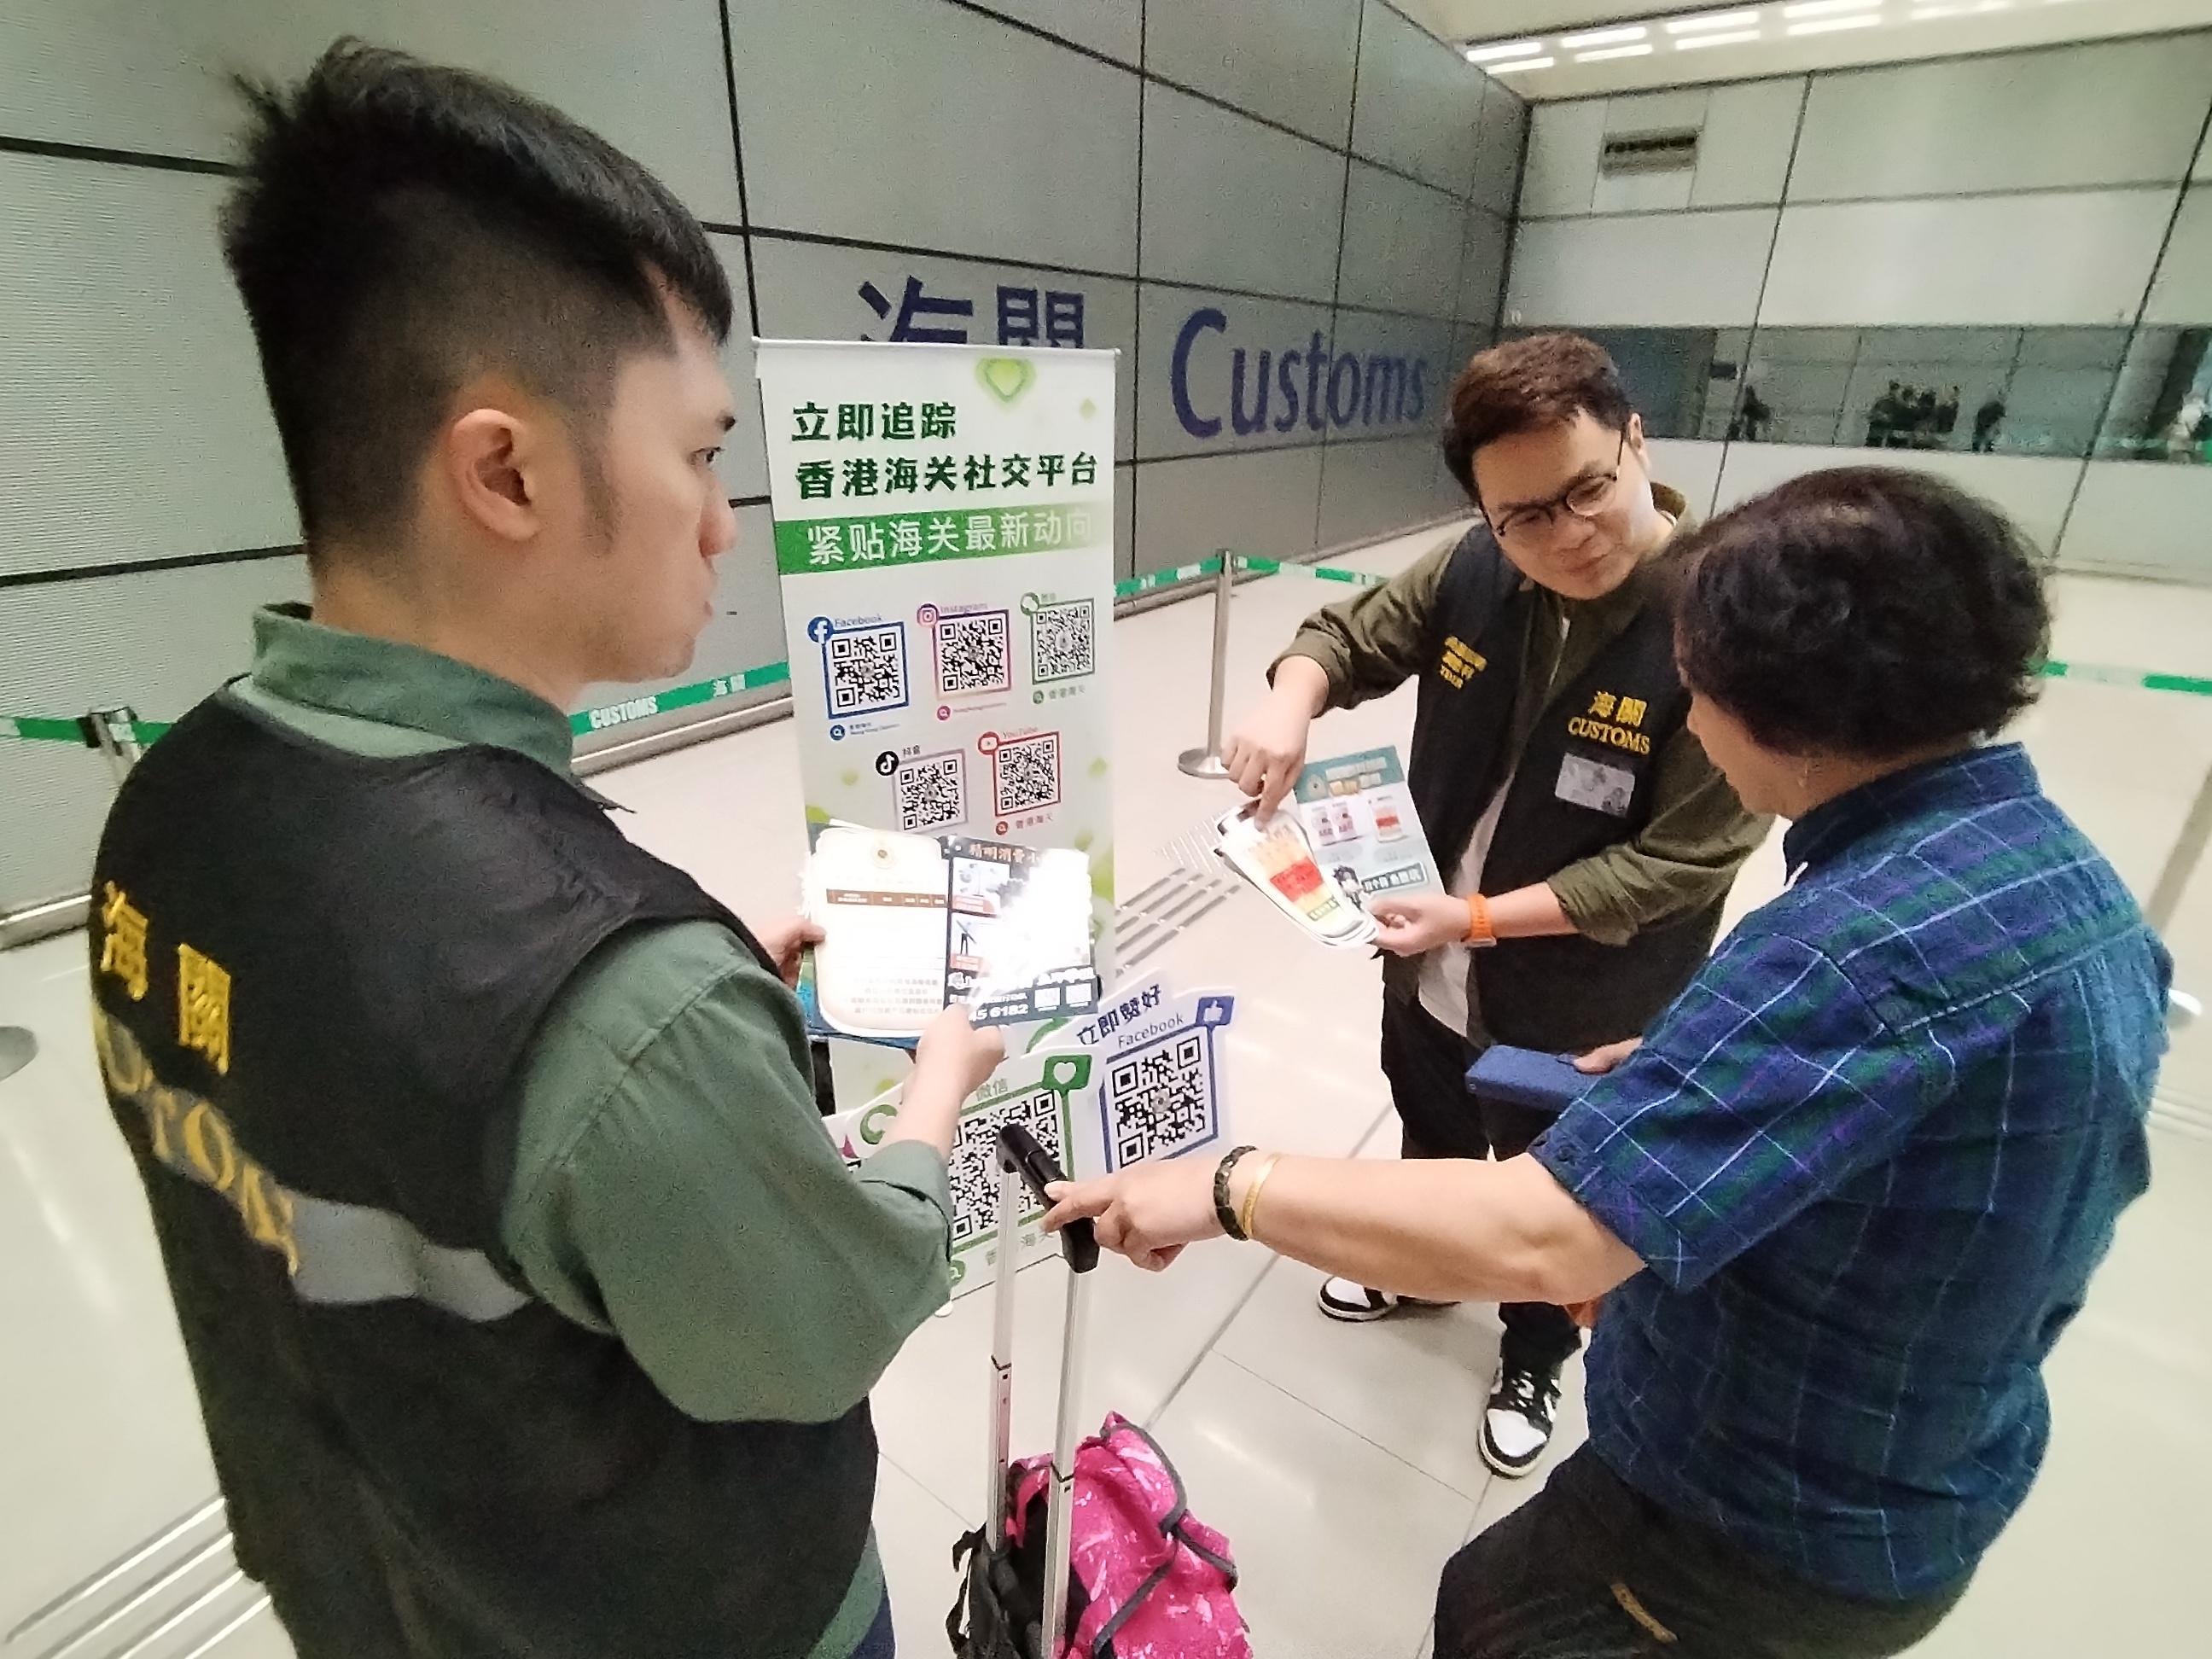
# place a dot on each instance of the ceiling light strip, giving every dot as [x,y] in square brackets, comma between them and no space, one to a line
[1833,25]
[1606,37]
[1711,19]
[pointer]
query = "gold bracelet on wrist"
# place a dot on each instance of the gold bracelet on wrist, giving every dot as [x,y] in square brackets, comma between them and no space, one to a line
[1250,1210]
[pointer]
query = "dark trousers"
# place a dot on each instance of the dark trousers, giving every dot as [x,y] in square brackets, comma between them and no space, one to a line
[1591,1568]
[1426,1062]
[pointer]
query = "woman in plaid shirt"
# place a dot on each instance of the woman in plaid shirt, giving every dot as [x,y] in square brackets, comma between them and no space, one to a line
[1851,1187]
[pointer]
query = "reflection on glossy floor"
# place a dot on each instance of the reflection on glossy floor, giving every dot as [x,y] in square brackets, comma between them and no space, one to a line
[1341,1461]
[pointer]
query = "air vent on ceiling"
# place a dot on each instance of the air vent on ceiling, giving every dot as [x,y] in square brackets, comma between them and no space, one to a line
[1650,152]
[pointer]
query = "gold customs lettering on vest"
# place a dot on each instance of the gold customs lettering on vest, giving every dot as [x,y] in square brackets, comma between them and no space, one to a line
[1460,662]
[192,1137]
[1612,720]
[189,1132]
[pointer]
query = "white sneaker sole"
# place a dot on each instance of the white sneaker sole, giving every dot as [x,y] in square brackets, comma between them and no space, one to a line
[1344,1315]
[1500,1465]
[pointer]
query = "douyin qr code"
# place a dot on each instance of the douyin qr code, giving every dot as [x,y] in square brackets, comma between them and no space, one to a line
[866,668]
[1159,1102]
[1027,772]
[974,654]
[931,792]
[1063,641]
[974,1165]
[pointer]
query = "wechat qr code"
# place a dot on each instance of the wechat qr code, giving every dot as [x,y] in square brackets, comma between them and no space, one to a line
[1027,770]
[1159,1102]
[931,792]
[1063,641]
[974,1165]
[866,668]
[973,654]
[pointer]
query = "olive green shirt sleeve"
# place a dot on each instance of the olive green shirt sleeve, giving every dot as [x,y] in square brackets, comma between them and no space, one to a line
[1683,860]
[674,1187]
[1370,644]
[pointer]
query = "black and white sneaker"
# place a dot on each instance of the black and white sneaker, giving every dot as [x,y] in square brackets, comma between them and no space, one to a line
[1356,1304]
[1516,1424]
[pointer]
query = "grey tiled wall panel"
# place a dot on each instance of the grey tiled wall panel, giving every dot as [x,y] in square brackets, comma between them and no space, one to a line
[1402,244]
[1504,125]
[1743,149]
[916,122]
[1233,204]
[1289,60]
[2116,113]
[1419,107]
[2183,292]
[1369,488]
[1254,503]
[131,414]
[2057,258]
[1115,27]
[646,74]
[1653,270]
[2142,520]
[1560,175]
[1482,265]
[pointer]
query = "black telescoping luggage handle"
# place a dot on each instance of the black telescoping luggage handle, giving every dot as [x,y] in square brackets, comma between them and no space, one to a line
[1020,1152]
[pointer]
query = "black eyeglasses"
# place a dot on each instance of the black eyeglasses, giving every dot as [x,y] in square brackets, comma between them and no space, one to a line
[1585,498]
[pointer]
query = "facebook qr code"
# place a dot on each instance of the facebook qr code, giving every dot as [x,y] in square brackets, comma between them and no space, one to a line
[1157,1102]
[972,654]
[931,792]
[974,1165]
[866,669]
[1028,773]
[1063,641]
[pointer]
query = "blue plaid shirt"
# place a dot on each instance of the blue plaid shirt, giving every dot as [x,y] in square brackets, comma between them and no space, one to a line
[1870,1158]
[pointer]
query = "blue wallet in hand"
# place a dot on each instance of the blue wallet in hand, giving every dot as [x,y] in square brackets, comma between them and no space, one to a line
[1526,1077]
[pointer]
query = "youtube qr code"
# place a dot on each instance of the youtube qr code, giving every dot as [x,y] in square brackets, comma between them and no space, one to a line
[1063,641]
[931,792]
[1028,773]
[974,1166]
[866,668]
[973,654]
[1158,1102]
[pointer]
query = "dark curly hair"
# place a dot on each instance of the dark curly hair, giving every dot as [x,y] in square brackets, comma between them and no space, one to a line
[1863,612]
[1525,386]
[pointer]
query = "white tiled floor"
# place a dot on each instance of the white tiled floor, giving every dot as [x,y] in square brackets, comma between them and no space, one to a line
[1339,1460]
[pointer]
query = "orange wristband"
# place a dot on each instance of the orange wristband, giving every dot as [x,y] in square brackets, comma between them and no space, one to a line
[1478,930]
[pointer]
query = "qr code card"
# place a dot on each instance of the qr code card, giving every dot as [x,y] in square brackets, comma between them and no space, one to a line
[1043,1092]
[864,669]
[975,653]
[1063,641]
[1025,774]
[930,792]
[1160,1077]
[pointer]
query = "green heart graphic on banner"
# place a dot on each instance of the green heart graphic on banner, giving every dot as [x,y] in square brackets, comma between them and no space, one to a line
[1007,378]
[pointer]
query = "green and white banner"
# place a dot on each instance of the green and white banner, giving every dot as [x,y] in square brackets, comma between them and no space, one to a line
[945,539]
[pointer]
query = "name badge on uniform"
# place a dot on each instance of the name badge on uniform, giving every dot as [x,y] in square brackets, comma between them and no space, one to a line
[1592,783]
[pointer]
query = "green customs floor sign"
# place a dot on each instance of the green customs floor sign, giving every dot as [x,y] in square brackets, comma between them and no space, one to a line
[944,537]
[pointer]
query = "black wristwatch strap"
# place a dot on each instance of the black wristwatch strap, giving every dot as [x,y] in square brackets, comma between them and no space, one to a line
[1224,1211]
